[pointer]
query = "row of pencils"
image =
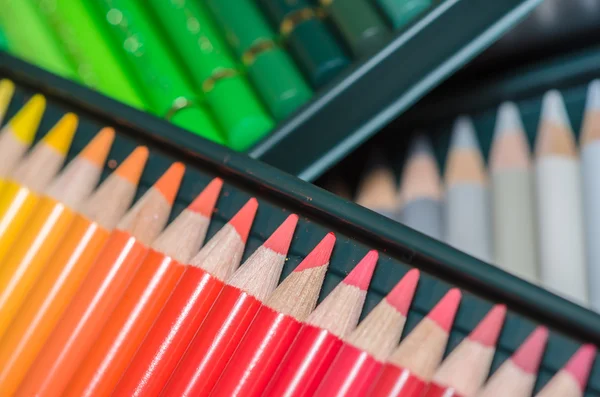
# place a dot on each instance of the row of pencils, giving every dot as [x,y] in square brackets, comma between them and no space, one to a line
[227,70]
[537,218]
[98,298]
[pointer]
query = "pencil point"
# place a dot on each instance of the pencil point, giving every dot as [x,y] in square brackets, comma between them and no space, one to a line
[281,238]
[360,276]
[444,311]
[554,110]
[463,134]
[242,220]
[529,355]
[320,255]
[593,96]
[580,364]
[61,135]
[508,120]
[488,330]
[401,296]
[206,200]
[7,89]
[97,150]
[25,123]
[132,167]
[168,183]
[420,146]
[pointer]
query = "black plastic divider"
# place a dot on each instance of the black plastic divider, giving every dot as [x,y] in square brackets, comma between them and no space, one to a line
[357,229]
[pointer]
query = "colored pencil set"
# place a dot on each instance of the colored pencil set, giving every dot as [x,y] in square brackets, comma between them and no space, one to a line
[99,298]
[226,70]
[533,218]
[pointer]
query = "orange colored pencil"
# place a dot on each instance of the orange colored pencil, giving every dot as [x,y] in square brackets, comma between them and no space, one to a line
[65,272]
[102,289]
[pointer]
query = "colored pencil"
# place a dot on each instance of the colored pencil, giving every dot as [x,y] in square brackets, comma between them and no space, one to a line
[50,220]
[22,189]
[359,23]
[377,189]
[402,12]
[230,316]
[144,298]
[570,381]
[275,326]
[7,89]
[18,134]
[102,289]
[187,307]
[468,216]
[421,191]
[559,203]
[590,166]
[466,368]
[319,339]
[409,369]
[66,270]
[516,377]
[514,229]
[364,351]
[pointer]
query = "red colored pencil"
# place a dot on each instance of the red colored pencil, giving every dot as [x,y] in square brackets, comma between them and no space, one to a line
[516,376]
[145,297]
[365,350]
[411,366]
[319,339]
[464,371]
[275,326]
[102,289]
[230,316]
[187,307]
[570,381]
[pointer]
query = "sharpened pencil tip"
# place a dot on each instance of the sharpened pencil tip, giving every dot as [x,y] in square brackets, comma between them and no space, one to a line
[132,167]
[61,135]
[463,134]
[444,311]
[529,355]
[97,150]
[242,220]
[488,330]
[508,120]
[7,89]
[205,202]
[25,123]
[554,110]
[401,296]
[319,256]
[593,96]
[580,364]
[360,276]
[420,146]
[281,238]
[168,183]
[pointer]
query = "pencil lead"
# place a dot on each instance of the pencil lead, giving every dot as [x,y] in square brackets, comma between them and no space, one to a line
[25,123]
[360,276]
[444,311]
[132,167]
[319,256]
[205,201]
[281,238]
[242,221]
[401,296]
[593,96]
[508,120]
[61,135]
[168,183]
[554,110]
[488,330]
[420,146]
[529,355]
[463,134]
[97,149]
[580,364]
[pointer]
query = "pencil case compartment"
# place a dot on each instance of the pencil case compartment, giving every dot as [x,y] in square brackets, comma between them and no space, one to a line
[357,229]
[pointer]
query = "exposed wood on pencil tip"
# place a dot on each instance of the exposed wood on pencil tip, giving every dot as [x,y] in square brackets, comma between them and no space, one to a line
[377,189]
[510,149]
[463,135]
[464,162]
[488,330]
[204,203]
[508,120]
[554,110]
[421,176]
[360,276]
[319,256]
[444,311]
[400,297]
[580,364]
[591,125]
[555,135]
[61,135]
[97,150]
[242,221]
[132,167]
[168,183]
[529,355]
[281,238]
[25,123]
